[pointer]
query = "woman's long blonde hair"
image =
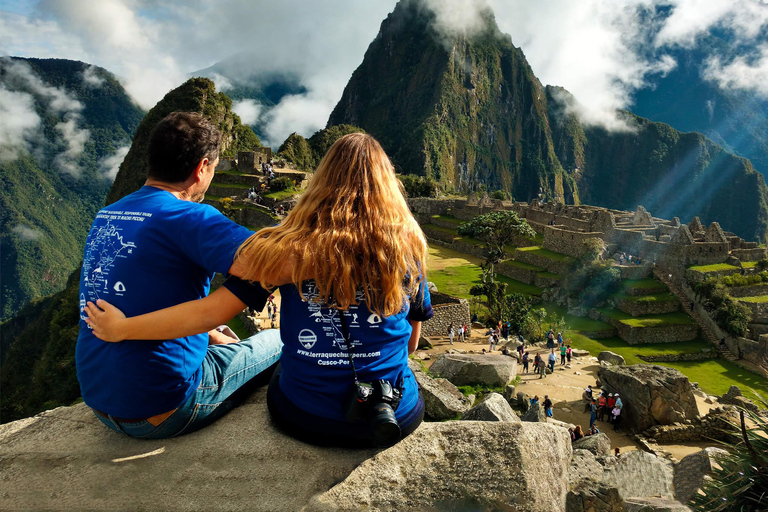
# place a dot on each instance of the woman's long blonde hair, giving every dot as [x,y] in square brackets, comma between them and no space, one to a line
[351,230]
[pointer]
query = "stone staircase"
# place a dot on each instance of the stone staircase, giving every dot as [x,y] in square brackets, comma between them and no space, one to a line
[706,332]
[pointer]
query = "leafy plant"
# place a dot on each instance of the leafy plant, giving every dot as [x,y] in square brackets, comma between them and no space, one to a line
[419,186]
[281,183]
[740,480]
[496,230]
[730,315]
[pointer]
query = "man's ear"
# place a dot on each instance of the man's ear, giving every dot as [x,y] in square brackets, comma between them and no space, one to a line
[199,173]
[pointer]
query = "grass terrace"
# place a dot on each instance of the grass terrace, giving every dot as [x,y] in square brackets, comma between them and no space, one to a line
[549,275]
[642,284]
[540,251]
[448,218]
[280,194]
[749,264]
[646,299]
[525,266]
[648,320]
[759,299]
[717,267]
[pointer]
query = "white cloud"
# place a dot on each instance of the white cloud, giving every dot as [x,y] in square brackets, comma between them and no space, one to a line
[222,82]
[91,78]
[26,233]
[741,73]
[19,123]
[111,164]
[75,139]
[248,110]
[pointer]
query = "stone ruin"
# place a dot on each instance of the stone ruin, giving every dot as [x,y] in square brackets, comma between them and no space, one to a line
[250,161]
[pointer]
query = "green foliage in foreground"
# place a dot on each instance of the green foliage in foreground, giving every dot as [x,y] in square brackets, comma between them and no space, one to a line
[740,480]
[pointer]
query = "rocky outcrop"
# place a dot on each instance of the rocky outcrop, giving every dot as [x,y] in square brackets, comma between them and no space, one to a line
[577,352]
[654,505]
[598,444]
[593,496]
[487,369]
[652,395]
[442,400]
[610,357]
[690,472]
[446,467]
[65,459]
[493,407]
[535,413]
[639,473]
[584,465]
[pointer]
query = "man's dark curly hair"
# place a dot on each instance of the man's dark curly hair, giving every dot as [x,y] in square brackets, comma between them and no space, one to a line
[178,143]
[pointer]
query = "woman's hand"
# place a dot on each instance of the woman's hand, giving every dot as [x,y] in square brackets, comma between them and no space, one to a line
[108,322]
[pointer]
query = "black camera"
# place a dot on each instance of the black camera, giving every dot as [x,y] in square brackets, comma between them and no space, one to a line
[375,403]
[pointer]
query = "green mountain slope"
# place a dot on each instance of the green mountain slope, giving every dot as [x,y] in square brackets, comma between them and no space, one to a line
[467,113]
[305,154]
[44,211]
[38,366]
[672,174]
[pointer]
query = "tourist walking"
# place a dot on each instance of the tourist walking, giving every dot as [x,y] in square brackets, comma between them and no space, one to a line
[552,360]
[568,353]
[547,406]
[491,338]
[563,351]
[616,417]
[601,406]
[592,413]
[610,403]
[451,333]
[526,360]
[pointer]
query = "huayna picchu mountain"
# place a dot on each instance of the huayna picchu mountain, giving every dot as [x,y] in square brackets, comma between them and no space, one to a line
[469,111]
[68,121]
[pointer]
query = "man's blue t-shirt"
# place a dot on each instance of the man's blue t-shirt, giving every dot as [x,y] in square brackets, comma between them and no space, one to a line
[146,252]
[316,374]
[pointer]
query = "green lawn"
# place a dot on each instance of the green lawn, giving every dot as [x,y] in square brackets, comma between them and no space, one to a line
[654,297]
[549,275]
[448,218]
[524,266]
[749,264]
[575,323]
[756,299]
[210,197]
[658,320]
[458,280]
[231,185]
[644,284]
[540,251]
[713,268]
[456,235]
[280,194]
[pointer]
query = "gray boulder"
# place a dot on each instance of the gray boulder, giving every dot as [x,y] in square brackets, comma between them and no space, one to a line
[638,473]
[523,400]
[654,505]
[577,352]
[510,394]
[424,343]
[535,413]
[492,408]
[487,369]
[444,466]
[652,395]
[583,465]
[690,472]
[598,444]
[593,496]
[442,400]
[610,357]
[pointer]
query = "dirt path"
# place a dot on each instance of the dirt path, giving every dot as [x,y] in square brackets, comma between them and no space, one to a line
[564,387]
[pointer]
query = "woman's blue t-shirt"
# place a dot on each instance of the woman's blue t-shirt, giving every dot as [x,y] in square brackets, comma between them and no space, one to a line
[316,374]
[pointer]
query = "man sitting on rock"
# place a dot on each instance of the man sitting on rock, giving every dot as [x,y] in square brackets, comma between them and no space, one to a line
[153,249]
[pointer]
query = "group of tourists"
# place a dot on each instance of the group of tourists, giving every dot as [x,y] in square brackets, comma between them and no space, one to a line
[607,406]
[268,171]
[546,404]
[462,331]
[254,196]
[628,259]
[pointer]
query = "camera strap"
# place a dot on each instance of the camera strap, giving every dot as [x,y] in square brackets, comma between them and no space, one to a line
[345,332]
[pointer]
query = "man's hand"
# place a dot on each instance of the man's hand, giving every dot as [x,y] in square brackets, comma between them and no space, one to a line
[108,322]
[217,338]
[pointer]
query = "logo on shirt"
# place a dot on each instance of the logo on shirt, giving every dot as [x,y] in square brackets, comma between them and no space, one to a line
[374,319]
[307,338]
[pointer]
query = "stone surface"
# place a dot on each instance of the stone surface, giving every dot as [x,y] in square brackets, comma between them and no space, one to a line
[523,400]
[535,413]
[493,407]
[599,444]
[610,357]
[424,343]
[510,394]
[638,473]
[654,505]
[448,466]
[66,459]
[442,400]
[577,352]
[487,369]
[584,465]
[593,496]
[691,470]
[652,395]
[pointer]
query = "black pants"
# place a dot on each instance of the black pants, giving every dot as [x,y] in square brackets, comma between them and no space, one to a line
[320,431]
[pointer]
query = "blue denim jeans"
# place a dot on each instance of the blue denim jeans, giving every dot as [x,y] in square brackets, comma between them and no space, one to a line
[229,375]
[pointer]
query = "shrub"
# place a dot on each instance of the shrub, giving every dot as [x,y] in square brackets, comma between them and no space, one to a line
[499,194]
[591,283]
[419,186]
[282,183]
[762,265]
[730,315]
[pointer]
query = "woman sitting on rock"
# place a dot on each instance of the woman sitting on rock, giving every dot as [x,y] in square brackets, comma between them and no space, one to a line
[349,261]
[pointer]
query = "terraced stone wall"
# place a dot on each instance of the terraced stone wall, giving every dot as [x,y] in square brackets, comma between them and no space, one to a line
[567,242]
[748,291]
[640,308]
[660,334]
[447,310]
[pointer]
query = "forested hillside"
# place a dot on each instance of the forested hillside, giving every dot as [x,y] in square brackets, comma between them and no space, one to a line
[79,120]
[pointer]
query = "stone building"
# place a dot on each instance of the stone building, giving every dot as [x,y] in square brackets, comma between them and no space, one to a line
[250,161]
[447,310]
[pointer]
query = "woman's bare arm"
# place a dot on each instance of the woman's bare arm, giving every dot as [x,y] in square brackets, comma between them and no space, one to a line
[413,342]
[186,319]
